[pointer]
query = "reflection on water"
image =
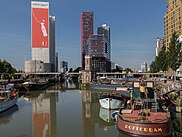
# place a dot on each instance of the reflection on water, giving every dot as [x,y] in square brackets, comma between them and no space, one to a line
[177,124]
[105,115]
[60,113]
[44,115]
[6,116]
[94,119]
[105,119]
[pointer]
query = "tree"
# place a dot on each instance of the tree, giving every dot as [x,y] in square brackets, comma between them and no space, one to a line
[77,69]
[154,67]
[170,58]
[161,60]
[6,69]
[174,52]
[1,67]
[128,70]
[7,66]
[71,70]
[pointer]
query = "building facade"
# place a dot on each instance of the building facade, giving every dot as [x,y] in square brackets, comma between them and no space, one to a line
[98,49]
[172,19]
[105,30]
[56,64]
[97,45]
[40,31]
[37,66]
[144,67]
[52,49]
[86,29]
[113,65]
[87,74]
[42,36]
[64,66]
[159,45]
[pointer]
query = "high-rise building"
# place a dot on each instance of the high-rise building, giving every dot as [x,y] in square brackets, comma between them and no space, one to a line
[105,30]
[159,45]
[43,36]
[64,66]
[52,49]
[86,28]
[97,45]
[172,19]
[97,48]
[113,65]
[40,31]
[144,67]
[56,62]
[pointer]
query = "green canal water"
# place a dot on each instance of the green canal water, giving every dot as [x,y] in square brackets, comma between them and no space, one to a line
[59,112]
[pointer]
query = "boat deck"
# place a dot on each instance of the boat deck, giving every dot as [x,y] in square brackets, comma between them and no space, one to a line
[149,117]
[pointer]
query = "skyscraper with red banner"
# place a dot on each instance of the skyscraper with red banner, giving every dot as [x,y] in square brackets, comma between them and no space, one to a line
[43,35]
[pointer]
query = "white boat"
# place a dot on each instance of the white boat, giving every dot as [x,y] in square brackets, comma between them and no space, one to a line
[8,97]
[112,100]
[123,89]
[110,103]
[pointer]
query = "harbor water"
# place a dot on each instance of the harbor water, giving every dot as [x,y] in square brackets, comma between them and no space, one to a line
[62,111]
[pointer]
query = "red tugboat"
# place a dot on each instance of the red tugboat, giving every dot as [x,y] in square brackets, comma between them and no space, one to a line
[142,118]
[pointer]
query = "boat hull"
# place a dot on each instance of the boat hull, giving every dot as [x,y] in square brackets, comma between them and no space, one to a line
[8,104]
[144,129]
[35,86]
[110,103]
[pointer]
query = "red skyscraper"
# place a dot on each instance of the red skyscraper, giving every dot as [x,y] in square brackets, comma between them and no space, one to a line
[86,29]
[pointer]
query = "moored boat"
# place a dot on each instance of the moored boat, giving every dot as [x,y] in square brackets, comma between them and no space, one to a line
[104,81]
[113,100]
[8,97]
[123,89]
[156,124]
[31,86]
[142,116]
